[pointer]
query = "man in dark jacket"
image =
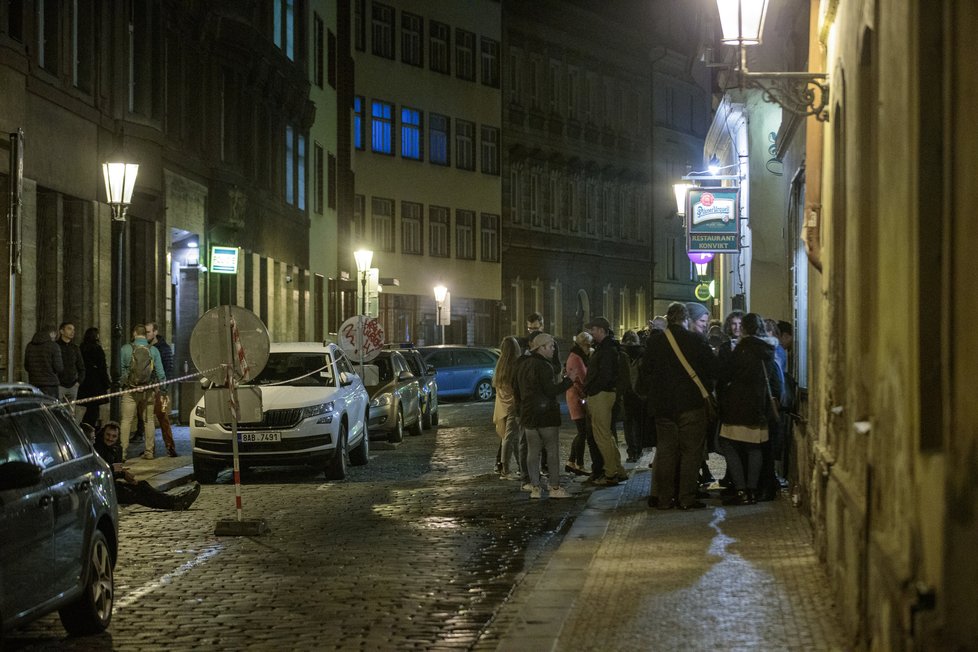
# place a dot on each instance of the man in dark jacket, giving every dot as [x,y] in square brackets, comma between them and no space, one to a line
[73,371]
[678,405]
[42,361]
[600,385]
[161,400]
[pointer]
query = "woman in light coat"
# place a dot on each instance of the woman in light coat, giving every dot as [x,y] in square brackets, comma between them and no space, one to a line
[504,415]
[576,367]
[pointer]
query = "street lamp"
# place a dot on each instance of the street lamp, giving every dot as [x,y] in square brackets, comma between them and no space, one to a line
[681,189]
[440,292]
[700,261]
[363,258]
[120,179]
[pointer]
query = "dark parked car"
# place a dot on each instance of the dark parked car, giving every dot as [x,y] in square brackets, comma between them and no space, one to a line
[58,517]
[395,397]
[462,370]
[425,373]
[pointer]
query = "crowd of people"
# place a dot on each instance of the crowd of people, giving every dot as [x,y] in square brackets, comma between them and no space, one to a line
[685,386]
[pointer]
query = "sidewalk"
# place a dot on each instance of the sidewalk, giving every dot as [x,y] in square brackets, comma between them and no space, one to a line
[163,472]
[627,577]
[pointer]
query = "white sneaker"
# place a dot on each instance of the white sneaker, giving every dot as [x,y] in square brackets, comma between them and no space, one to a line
[535,492]
[527,487]
[559,492]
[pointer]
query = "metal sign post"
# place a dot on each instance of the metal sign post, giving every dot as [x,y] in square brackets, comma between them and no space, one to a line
[16,183]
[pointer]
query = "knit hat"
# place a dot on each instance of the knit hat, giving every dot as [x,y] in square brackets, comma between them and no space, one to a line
[696,310]
[541,339]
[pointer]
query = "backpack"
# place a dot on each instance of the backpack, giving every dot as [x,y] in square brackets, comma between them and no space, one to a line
[140,367]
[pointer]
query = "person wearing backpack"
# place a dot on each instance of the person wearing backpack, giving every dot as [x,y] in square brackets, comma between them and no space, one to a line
[141,366]
[633,403]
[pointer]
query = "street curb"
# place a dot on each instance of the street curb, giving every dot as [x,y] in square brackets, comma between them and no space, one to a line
[173,478]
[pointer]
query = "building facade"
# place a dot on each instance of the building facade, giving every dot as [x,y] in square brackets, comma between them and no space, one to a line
[427,138]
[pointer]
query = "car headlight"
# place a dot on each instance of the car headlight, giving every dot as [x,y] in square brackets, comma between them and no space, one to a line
[200,411]
[316,410]
[382,400]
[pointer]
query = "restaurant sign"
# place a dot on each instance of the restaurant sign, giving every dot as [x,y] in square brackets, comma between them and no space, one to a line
[712,220]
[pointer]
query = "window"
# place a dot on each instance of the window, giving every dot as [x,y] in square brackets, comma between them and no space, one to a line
[48,19]
[145,65]
[441,38]
[465,54]
[331,58]
[289,165]
[381,125]
[490,238]
[382,32]
[438,236]
[358,232]
[438,148]
[411,133]
[295,168]
[465,234]
[45,449]
[319,46]
[284,26]
[359,26]
[515,191]
[382,222]
[516,77]
[331,181]
[490,62]
[82,43]
[319,163]
[15,20]
[555,104]
[412,39]
[464,145]
[358,121]
[490,150]
[411,213]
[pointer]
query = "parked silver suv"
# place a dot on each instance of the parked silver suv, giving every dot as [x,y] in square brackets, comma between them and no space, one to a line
[58,517]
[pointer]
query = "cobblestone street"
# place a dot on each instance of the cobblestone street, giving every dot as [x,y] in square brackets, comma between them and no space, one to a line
[424,548]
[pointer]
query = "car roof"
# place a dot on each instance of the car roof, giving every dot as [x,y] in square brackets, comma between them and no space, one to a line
[18,390]
[300,347]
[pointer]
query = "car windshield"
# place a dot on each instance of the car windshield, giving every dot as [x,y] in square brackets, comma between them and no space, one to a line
[296,370]
[414,364]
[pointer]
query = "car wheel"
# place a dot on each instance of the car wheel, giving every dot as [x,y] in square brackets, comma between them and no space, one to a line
[426,415]
[396,435]
[483,391]
[336,467]
[415,428]
[92,611]
[361,454]
[204,472]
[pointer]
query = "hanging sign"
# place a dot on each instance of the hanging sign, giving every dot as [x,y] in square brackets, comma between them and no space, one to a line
[712,223]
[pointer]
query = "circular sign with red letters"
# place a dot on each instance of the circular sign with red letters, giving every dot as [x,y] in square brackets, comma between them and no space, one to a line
[706,199]
[361,338]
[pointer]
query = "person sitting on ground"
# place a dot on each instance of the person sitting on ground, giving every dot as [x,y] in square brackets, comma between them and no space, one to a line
[127,489]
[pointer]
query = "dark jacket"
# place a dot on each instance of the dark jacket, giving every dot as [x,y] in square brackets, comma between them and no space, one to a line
[631,400]
[73,370]
[742,393]
[42,360]
[96,380]
[671,390]
[602,367]
[166,355]
[537,392]
[111,454]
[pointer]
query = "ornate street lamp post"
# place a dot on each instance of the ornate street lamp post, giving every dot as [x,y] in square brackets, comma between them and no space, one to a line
[120,179]
[440,292]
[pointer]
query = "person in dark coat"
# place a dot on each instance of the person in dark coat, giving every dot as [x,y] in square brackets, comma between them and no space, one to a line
[127,489]
[42,361]
[536,395]
[679,408]
[600,385]
[632,403]
[73,367]
[96,382]
[747,382]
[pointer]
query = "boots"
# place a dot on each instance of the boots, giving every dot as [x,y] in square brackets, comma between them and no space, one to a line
[184,500]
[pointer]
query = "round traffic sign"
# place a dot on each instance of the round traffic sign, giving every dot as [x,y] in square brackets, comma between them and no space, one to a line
[361,332]
[229,335]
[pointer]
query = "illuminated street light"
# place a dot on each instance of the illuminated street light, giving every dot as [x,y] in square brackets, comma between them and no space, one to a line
[440,293]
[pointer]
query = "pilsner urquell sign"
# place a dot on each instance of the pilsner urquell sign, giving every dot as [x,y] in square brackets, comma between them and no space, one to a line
[712,223]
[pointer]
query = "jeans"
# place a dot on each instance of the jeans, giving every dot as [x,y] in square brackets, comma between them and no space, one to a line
[508,430]
[538,439]
[736,453]
[141,403]
[680,441]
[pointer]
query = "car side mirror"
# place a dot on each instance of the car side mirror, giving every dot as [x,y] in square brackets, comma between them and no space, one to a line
[430,369]
[19,475]
[345,380]
[405,375]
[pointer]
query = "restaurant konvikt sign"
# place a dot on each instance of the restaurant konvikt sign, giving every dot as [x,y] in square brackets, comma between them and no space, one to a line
[712,223]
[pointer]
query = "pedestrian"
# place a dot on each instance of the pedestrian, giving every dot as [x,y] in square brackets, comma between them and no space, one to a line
[128,490]
[699,323]
[96,381]
[534,326]
[42,361]
[576,398]
[679,407]
[161,397]
[747,382]
[600,384]
[73,365]
[141,366]
[699,318]
[504,414]
[633,404]
[537,390]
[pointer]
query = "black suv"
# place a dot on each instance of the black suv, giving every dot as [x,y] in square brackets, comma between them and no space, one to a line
[425,373]
[58,517]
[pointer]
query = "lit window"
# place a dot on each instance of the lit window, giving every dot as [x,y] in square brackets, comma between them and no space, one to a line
[411,133]
[381,127]
[284,27]
[358,122]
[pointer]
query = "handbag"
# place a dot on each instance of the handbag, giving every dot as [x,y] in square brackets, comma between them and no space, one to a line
[709,401]
[773,411]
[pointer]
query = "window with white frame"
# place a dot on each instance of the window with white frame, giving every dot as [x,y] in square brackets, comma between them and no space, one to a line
[411,133]
[382,32]
[412,39]
[381,127]
[464,145]
[440,41]
[359,25]
[490,238]
[438,245]
[439,151]
[465,54]
[490,62]
[465,234]
[382,223]
[490,150]
[411,223]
